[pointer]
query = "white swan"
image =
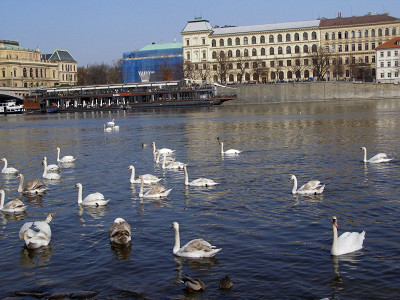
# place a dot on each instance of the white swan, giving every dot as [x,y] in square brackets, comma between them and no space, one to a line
[172,165]
[379,158]
[312,187]
[111,123]
[36,234]
[7,170]
[168,159]
[51,167]
[33,186]
[194,249]
[107,129]
[120,232]
[50,176]
[65,159]
[115,127]
[162,150]
[199,181]
[230,151]
[94,199]
[348,241]
[147,178]
[157,191]
[13,206]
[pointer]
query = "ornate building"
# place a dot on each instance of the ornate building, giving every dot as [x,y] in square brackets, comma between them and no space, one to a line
[22,67]
[340,48]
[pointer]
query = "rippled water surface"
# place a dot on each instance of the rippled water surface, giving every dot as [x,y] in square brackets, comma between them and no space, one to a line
[274,244]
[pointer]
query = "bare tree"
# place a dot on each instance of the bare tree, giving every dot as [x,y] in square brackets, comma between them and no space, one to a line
[320,62]
[337,68]
[99,74]
[188,70]
[298,66]
[241,63]
[221,66]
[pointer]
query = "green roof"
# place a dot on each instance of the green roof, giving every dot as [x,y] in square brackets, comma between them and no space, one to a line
[161,46]
[14,47]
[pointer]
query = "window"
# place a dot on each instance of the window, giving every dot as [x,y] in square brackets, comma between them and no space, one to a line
[254,52]
[222,54]
[271,51]
[366,33]
[353,35]
[333,48]
[333,36]
[215,67]
[230,66]
[314,35]
[4,72]
[262,51]
[238,66]
[230,53]
[187,42]
[373,58]
[305,49]
[353,47]
[339,35]
[214,54]
[289,74]
[254,65]
[253,40]
[30,72]
[280,50]
[366,46]
[296,49]
[314,48]
[245,40]
[280,63]
[373,32]
[359,47]
[379,32]
[288,50]
[340,48]
[238,53]
[203,41]
[213,43]
[262,39]
[346,60]
[229,42]
[296,37]
[359,34]
[279,38]
[389,53]
[394,32]
[389,74]
[231,77]
[306,62]
[272,64]
[396,53]
[372,46]
[246,52]
[386,31]
[305,36]
[221,42]
[382,75]
[396,74]
[326,36]
[288,37]
[297,62]
[389,64]
[346,35]
[187,55]
[204,54]
[288,62]
[237,41]
[366,59]
[381,54]
[246,65]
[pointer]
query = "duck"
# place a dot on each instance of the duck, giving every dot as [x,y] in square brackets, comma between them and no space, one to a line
[120,232]
[172,165]
[230,151]
[225,283]
[157,191]
[198,182]
[33,186]
[52,167]
[147,178]
[193,284]
[13,206]
[162,150]
[312,187]
[36,234]
[65,159]
[197,248]
[379,158]
[94,199]
[7,170]
[49,176]
[107,129]
[347,242]
[111,123]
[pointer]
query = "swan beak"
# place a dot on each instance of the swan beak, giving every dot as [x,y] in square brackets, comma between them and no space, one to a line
[335,223]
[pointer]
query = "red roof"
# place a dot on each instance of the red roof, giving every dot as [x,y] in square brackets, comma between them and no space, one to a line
[357,20]
[393,43]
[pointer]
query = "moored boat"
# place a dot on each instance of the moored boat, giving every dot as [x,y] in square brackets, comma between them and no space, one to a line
[11,107]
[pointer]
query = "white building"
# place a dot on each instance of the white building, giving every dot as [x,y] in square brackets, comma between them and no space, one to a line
[387,61]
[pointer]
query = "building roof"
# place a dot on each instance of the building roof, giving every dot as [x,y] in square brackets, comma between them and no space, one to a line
[393,43]
[162,46]
[12,45]
[198,24]
[61,55]
[339,21]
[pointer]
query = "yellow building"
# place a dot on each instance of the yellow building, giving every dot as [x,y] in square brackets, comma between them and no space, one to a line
[22,67]
[285,51]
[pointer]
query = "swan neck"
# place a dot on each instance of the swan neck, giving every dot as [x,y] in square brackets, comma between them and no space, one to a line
[163,163]
[294,185]
[5,163]
[79,194]
[141,188]
[44,168]
[58,154]
[222,147]
[177,245]
[2,199]
[154,148]
[133,174]
[21,183]
[335,239]
[365,154]
[186,176]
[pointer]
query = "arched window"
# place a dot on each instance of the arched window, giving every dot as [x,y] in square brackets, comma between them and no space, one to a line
[238,53]
[254,52]
[280,50]
[214,54]
[281,75]
[298,74]
[279,38]
[273,76]
[326,36]
[394,31]
[262,51]
[314,35]
[271,51]
[213,43]
[262,39]
[245,40]
[221,42]
[30,72]
[231,77]
[289,74]
[366,33]
[346,35]
[373,32]
[353,34]
[247,76]
[187,55]
[204,54]
[37,73]
[246,52]
[314,48]
[222,54]
[386,31]
[359,34]
[271,38]
[287,37]
[305,49]
[229,42]
[333,36]
[297,49]
[305,36]
[255,76]
[237,41]
[296,37]
[288,50]
[24,72]
[230,53]
[253,40]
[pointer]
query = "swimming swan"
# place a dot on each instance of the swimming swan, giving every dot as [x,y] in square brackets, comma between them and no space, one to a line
[147,178]
[33,186]
[379,158]
[50,176]
[199,181]
[94,199]
[157,191]
[230,151]
[111,123]
[172,165]
[197,248]
[162,150]
[36,234]
[310,188]
[65,159]
[107,129]
[7,170]
[13,206]
[348,242]
[51,167]
[120,232]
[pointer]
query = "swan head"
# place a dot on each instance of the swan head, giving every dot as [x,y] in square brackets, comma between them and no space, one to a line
[131,167]
[44,160]
[49,218]
[175,225]
[334,221]
[19,175]
[57,148]
[3,160]
[78,185]
[363,148]
[292,177]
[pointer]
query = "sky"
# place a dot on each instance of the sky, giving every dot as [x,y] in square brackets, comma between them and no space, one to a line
[100,31]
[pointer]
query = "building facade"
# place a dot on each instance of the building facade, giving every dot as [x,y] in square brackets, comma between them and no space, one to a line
[22,67]
[154,62]
[388,61]
[342,47]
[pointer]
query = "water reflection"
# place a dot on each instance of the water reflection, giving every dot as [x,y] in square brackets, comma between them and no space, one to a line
[30,258]
[12,216]
[95,212]
[121,251]
[205,263]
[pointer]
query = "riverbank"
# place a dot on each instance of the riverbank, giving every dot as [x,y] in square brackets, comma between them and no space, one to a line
[315,91]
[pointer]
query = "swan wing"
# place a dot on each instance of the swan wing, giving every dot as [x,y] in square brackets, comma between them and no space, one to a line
[33,184]
[14,206]
[232,151]
[198,248]
[9,171]
[67,158]
[311,185]
[149,178]
[351,241]
[380,157]
[203,182]
[93,197]
[157,191]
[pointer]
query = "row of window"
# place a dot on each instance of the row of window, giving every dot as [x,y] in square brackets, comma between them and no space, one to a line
[345,34]
[388,53]
[389,64]
[354,47]
[389,75]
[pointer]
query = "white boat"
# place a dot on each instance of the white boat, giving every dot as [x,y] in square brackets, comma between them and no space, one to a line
[11,107]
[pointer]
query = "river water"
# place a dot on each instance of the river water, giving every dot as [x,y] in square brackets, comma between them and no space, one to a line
[274,245]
